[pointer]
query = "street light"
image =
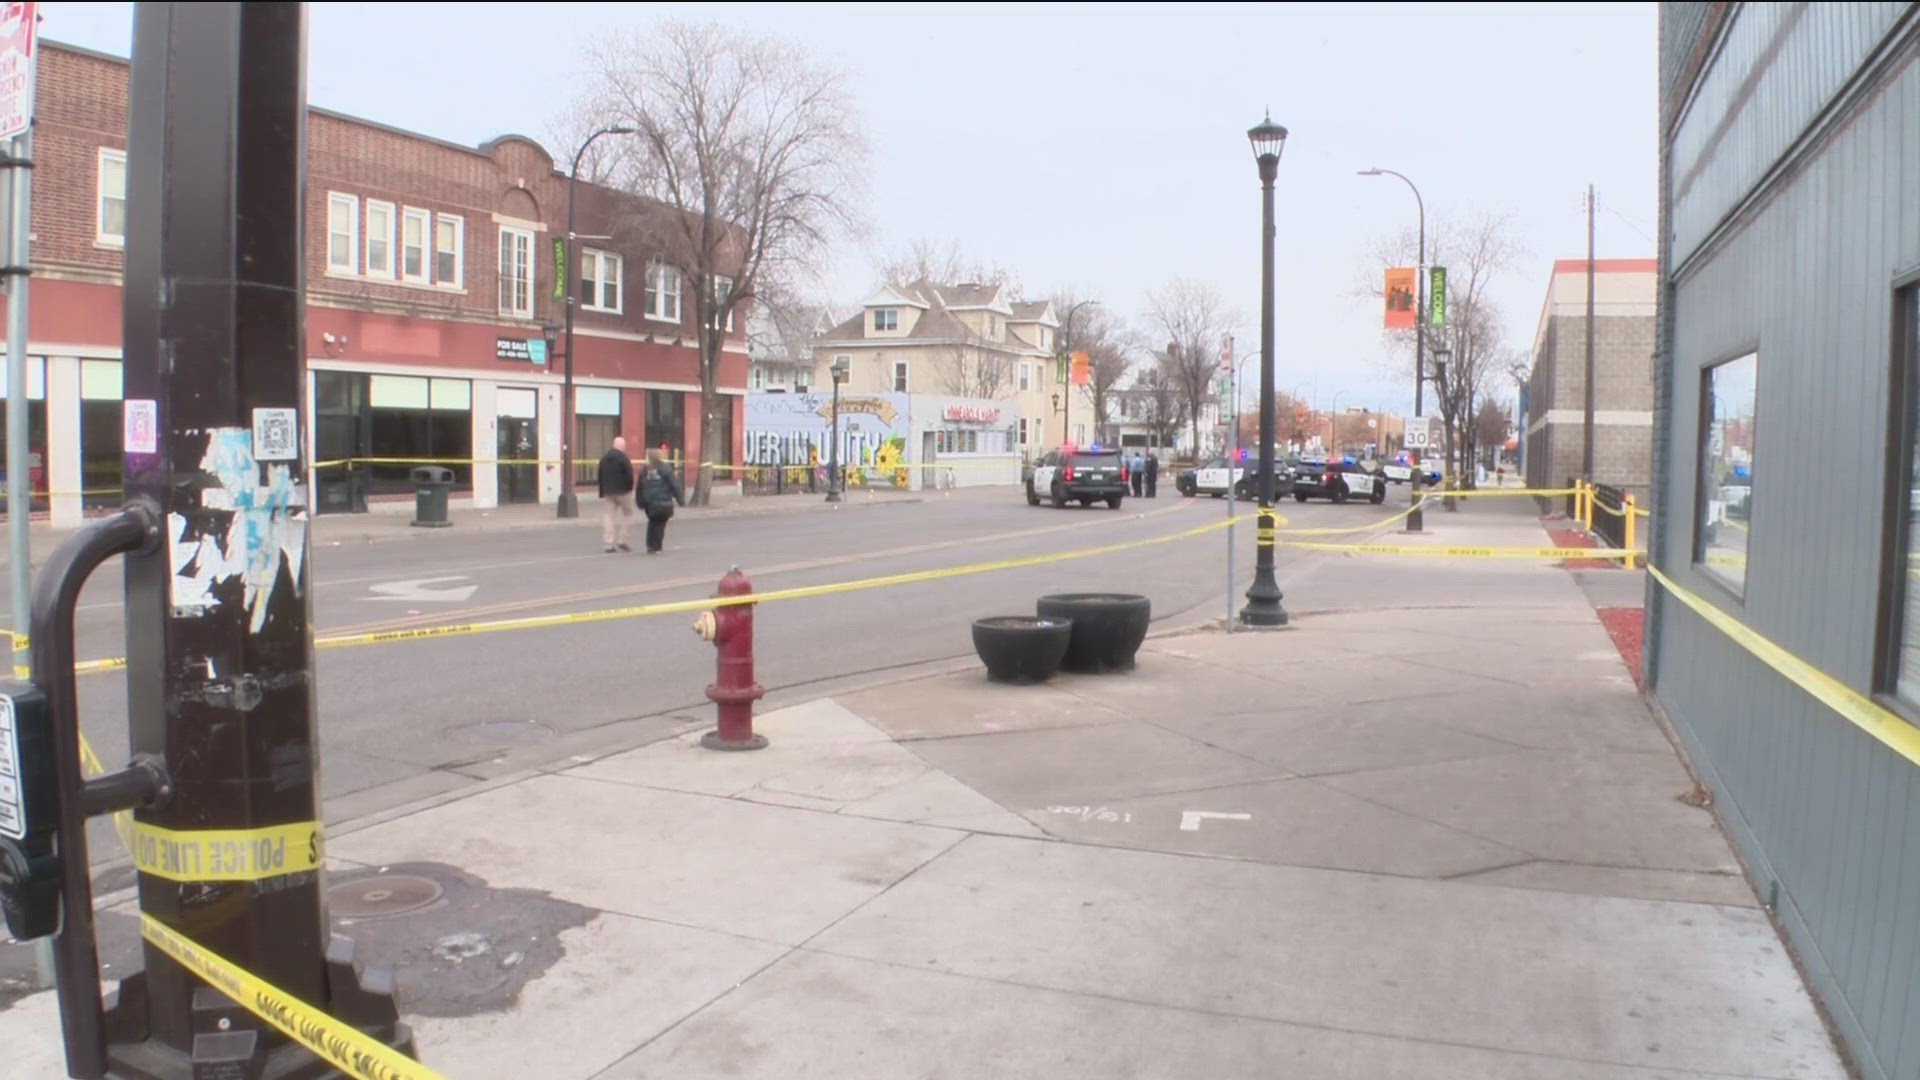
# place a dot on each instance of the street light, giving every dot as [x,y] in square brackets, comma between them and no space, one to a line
[1415,520]
[841,364]
[1063,401]
[1263,596]
[569,505]
[1442,354]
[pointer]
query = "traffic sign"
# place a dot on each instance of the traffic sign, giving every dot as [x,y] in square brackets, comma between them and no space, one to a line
[17,41]
[1419,435]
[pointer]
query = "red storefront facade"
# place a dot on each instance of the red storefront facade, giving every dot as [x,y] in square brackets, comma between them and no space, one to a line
[432,279]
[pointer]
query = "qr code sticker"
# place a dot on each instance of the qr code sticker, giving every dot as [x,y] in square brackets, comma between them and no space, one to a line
[276,435]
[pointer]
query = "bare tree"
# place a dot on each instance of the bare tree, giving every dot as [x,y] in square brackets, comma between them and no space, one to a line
[1110,346]
[1195,320]
[925,260]
[1475,251]
[977,370]
[752,147]
[1158,396]
[1491,422]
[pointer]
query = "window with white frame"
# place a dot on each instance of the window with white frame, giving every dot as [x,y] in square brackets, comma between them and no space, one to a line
[600,280]
[516,272]
[900,377]
[663,293]
[379,239]
[759,377]
[449,251]
[886,319]
[414,227]
[343,234]
[1046,338]
[722,301]
[111,217]
[1026,376]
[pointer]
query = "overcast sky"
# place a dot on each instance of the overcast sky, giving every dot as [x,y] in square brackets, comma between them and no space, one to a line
[1105,146]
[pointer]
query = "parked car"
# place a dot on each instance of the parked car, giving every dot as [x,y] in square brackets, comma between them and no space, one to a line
[1337,480]
[1403,474]
[1070,475]
[1211,477]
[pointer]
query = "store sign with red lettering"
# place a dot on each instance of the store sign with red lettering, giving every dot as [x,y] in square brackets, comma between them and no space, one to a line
[971,414]
[16,68]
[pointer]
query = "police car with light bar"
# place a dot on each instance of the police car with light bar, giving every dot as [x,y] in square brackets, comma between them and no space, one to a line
[1340,480]
[1213,476]
[1073,474]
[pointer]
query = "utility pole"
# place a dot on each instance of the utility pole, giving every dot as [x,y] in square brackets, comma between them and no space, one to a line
[1586,430]
[220,674]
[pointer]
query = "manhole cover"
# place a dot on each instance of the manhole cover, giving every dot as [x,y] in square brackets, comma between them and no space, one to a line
[503,732]
[379,897]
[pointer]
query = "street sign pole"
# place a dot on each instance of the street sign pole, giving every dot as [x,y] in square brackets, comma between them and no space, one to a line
[19,34]
[1233,457]
[220,673]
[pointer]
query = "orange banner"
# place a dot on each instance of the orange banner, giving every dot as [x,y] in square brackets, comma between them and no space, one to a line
[1082,371]
[1400,298]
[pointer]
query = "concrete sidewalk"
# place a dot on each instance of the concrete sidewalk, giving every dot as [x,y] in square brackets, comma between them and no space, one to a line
[1432,839]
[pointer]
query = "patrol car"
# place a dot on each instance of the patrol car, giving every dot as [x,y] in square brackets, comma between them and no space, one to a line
[1401,473]
[1070,474]
[1337,480]
[1212,478]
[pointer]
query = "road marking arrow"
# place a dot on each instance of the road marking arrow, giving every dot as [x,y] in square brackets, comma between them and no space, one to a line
[1190,819]
[417,589]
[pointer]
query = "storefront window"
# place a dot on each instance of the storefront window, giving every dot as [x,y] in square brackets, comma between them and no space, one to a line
[36,433]
[1901,595]
[596,423]
[102,452]
[666,422]
[417,421]
[1729,393]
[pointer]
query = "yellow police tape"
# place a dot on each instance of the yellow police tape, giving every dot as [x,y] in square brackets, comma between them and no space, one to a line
[1455,552]
[226,854]
[1890,729]
[343,1046]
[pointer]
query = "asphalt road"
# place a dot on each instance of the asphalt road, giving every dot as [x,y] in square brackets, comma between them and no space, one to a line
[404,721]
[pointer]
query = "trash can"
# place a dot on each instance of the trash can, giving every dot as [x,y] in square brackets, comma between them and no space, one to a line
[430,484]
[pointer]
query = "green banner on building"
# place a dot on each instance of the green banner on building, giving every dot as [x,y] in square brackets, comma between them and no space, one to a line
[559,268]
[1437,295]
[1060,368]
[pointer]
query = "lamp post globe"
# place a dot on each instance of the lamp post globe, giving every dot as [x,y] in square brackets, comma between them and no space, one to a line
[1263,606]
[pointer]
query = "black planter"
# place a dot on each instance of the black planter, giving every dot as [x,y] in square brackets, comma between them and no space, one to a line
[1107,628]
[1021,648]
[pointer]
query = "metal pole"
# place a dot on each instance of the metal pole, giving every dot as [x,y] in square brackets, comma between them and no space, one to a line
[19,446]
[1233,458]
[569,502]
[220,672]
[1263,596]
[1586,433]
[833,451]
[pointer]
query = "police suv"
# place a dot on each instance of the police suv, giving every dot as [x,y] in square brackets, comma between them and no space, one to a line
[1070,474]
[1337,480]
[1213,476]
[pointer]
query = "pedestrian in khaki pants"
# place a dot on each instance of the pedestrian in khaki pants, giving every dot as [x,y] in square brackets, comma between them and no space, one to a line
[616,496]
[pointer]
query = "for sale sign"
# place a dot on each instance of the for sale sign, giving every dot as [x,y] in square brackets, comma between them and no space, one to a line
[16,68]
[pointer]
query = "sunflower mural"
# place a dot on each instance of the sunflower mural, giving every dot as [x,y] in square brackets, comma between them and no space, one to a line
[889,460]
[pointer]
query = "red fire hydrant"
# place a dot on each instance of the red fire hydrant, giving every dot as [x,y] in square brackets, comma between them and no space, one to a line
[730,628]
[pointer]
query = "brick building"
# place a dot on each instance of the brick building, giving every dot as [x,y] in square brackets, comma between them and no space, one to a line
[432,285]
[1623,376]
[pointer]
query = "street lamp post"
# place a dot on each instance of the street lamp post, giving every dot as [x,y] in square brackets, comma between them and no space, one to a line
[1415,520]
[1442,354]
[569,505]
[1066,395]
[1333,426]
[840,367]
[1263,596]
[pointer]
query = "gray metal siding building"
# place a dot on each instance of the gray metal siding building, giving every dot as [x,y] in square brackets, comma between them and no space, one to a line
[1789,337]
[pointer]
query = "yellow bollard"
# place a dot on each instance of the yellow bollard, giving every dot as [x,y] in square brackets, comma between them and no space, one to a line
[1628,504]
[1586,521]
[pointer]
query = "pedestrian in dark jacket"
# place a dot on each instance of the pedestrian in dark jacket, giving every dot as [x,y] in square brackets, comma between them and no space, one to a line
[1153,474]
[616,496]
[659,494]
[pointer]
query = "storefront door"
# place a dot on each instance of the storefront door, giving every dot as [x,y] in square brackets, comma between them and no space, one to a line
[518,446]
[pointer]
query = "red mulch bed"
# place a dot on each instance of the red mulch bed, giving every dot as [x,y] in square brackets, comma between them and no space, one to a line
[1573,538]
[1627,626]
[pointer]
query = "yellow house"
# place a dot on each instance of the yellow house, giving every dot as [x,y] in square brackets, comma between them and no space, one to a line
[966,340]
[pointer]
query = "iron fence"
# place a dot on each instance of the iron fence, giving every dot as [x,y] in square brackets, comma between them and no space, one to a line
[1610,515]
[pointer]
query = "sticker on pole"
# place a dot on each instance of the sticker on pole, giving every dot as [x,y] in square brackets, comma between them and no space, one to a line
[140,427]
[16,68]
[276,435]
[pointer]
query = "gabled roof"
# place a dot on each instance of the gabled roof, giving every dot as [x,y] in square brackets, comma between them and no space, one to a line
[1036,311]
[971,297]
[888,296]
[937,326]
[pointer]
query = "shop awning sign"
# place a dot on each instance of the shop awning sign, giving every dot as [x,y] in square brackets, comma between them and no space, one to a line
[16,67]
